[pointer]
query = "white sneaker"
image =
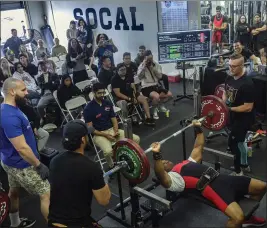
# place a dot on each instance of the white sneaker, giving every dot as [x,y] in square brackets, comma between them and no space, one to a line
[237,174]
[162,108]
[246,170]
[155,114]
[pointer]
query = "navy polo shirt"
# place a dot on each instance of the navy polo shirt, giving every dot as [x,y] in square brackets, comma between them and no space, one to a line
[99,115]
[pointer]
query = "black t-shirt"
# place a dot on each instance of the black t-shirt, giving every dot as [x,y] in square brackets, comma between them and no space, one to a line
[72,179]
[131,71]
[238,92]
[105,76]
[262,36]
[246,53]
[31,69]
[123,85]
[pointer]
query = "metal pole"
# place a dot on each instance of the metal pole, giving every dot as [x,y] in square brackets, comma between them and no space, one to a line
[127,127]
[121,197]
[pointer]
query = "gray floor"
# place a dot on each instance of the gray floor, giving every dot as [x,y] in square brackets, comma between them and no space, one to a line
[187,213]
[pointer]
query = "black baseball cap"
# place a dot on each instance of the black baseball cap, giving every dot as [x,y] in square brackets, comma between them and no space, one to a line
[76,129]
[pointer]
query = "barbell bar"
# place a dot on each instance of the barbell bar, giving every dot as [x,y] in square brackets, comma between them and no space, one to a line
[180,131]
[118,167]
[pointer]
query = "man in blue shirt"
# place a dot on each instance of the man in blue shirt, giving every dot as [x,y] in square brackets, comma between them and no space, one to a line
[19,155]
[99,113]
[14,42]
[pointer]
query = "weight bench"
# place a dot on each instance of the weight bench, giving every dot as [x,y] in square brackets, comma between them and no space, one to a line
[248,206]
[156,205]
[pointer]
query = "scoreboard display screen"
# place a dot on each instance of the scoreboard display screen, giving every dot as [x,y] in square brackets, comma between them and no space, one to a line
[184,45]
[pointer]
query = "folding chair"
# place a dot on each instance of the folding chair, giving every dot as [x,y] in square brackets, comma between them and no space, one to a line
[81,85]
[135,110]
[91,73]
[75,104]
[62,57]
[63,111]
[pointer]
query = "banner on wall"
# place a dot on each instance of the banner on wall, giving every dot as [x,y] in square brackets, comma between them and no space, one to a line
[95,19]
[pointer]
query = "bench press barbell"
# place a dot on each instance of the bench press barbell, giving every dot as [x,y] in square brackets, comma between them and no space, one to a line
[131,159]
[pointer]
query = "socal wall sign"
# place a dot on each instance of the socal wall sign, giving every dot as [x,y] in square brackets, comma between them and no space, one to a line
[121,22]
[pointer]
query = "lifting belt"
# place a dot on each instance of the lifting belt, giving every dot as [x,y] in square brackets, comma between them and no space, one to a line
[206,178]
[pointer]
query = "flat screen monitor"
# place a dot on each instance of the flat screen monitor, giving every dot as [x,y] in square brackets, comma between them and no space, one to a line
[184,45]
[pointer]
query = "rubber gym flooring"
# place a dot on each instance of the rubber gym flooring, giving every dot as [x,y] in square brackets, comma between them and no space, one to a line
[187,212]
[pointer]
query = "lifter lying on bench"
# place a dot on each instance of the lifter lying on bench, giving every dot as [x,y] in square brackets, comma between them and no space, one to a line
[224,191]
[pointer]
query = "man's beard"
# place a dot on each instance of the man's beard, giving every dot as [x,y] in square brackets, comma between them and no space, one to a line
[238,51]
[20,101]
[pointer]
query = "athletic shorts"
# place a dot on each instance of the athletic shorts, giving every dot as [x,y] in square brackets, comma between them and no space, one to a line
[148,90]
[28,179]
[223,191]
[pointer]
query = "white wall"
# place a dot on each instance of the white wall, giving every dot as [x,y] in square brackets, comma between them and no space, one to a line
[127,41]
[35,14]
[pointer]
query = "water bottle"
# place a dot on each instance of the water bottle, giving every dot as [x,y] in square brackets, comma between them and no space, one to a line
[249,149]
[167,113]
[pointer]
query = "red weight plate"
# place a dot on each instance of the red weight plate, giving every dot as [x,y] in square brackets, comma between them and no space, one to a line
[4,206]
[220,112]
[219,90]
[145,171]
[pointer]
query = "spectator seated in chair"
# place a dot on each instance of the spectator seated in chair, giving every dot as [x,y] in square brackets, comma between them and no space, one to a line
[34,91]
[5,69]
[131,67]
[57,49]
[140,58]
[41,49]
[67,90]
[10,56]
[106,72]
[124,89]
[23,50]
[41,135]
[149,72]
[50,64]
[99,113]
[48,83]
[28,67]
[75,60]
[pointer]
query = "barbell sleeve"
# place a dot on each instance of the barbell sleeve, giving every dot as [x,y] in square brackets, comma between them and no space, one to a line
[117,168]
[176,133]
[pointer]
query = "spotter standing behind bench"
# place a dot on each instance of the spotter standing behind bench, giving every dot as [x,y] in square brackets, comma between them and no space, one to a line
[223,191]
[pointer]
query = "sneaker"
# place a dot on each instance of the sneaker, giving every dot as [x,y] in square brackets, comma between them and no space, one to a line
[155,114]
[246,170]
[149,122]
[254,221]
[237,174]
[25,223]
[228,150]
[162,108]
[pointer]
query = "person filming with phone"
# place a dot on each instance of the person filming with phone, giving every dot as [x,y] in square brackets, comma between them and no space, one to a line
[149,72]
[105,47]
